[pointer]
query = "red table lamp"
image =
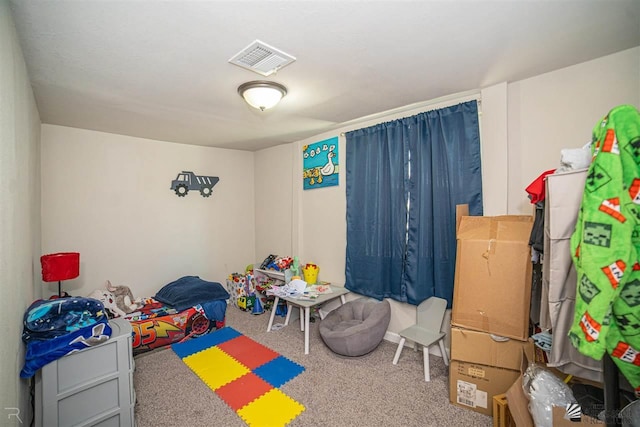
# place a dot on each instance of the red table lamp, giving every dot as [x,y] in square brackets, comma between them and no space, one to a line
[59,267]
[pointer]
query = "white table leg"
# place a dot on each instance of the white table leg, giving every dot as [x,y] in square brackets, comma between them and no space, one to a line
[274,307]
[322,316]
[306,330]
[343,300]
[286,319]
[301,319]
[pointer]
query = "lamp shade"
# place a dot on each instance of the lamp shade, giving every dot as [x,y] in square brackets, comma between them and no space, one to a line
[60,266]
[262,94]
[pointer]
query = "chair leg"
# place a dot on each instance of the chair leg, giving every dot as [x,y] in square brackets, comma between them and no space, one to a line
[425,354]
[443,350]
[398,351]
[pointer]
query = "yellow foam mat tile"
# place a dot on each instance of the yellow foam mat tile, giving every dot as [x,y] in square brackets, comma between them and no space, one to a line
[215,367]
[272,409]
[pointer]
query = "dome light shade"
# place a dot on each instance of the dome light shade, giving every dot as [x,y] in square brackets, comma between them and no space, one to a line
[262,94]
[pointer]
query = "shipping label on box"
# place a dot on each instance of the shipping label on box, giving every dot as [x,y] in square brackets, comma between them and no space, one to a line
[483,348]
[467,394]
[492,289]
[473,386]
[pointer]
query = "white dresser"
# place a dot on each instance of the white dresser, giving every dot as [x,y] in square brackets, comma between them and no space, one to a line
[93,387]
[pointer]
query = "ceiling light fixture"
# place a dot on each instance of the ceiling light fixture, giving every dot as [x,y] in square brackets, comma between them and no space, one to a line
[262,94]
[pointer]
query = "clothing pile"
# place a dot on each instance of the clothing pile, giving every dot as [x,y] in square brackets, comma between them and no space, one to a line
[55,328]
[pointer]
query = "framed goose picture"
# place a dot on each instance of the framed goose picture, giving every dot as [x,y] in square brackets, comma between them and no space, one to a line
[320,164]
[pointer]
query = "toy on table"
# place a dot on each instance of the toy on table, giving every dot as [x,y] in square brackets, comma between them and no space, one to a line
[295,267]
[310,272]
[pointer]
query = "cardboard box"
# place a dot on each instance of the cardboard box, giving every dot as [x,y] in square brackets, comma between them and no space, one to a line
[472,386]
[492,289]
[480,347]
[518,405]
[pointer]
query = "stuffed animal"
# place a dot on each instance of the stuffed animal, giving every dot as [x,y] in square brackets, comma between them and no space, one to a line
[124,297]
[108,300]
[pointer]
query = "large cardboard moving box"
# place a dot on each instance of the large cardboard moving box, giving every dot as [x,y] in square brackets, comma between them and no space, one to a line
[492,289]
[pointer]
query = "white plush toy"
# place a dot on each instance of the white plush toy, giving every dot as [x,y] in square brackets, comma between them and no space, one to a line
[124,297]
[108,300]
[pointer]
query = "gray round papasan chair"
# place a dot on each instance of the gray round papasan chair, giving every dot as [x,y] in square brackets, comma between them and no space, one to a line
[357,327]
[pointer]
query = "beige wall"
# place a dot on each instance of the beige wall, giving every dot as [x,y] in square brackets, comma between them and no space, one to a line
[19,217]
[524,125]
[493,128]
[108,197]
[274,208]
[558,110]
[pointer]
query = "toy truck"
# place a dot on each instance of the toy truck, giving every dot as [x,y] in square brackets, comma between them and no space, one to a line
[187,180]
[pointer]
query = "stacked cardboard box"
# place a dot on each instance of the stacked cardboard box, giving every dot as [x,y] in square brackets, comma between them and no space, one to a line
[483,367]
[490,314]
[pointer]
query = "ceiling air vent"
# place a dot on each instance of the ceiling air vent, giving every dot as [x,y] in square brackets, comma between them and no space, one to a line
[262,58]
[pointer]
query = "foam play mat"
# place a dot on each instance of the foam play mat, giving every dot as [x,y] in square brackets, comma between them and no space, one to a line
[245,374]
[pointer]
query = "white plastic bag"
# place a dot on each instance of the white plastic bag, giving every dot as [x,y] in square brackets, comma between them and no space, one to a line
[544,391]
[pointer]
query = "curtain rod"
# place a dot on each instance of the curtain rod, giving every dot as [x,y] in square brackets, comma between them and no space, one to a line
[452,99]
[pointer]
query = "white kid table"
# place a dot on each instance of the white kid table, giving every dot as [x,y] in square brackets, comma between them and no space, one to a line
[336,291]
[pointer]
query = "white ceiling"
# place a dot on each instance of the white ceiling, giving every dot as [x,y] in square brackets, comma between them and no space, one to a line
[158,69]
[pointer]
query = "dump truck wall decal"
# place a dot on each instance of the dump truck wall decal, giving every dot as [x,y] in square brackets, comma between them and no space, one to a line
[187,181]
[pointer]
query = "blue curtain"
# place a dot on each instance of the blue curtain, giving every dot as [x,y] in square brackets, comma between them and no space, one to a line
[404,180]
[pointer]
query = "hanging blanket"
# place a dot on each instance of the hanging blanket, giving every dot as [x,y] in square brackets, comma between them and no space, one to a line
[55,328]
[605,246]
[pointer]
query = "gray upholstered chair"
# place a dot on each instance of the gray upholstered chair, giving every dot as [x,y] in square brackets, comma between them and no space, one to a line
[357,327]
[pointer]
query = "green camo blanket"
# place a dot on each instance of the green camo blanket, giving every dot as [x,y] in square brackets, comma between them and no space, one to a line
[605,246]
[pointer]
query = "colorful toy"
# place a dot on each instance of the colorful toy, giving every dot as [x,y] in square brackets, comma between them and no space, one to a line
[247,302]
[295,267]
[257,307]
[240,285]
[310,272]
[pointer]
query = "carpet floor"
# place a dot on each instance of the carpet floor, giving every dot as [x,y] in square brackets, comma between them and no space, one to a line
[336,391]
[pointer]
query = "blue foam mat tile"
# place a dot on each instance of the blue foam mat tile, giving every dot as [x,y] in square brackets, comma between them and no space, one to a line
[195,345]
[279,371]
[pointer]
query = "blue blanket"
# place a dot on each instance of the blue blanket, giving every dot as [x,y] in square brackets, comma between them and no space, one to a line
[54,328]
[189,291]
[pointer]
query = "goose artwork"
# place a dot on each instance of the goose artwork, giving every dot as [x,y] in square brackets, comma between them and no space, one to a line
[321,164]
[329,168]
